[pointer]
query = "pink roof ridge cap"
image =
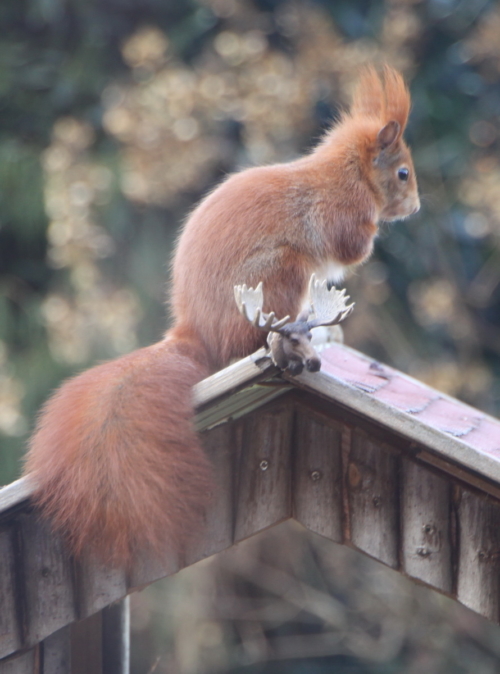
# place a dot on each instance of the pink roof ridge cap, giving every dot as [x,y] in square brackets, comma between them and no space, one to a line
[400,391]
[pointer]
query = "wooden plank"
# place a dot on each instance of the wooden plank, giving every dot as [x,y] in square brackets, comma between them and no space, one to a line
[344,416]
[426,526]
[250,369]
[22,663]
[458,474]
[372,495]
[263,484]
[239,403]
[116,638]
[56,652]
[146,569]
[16,492]
[447,446]
[46,580]
[217,531]
[10,629]
[98,585]
[479,554]
[86,645]
[317,480]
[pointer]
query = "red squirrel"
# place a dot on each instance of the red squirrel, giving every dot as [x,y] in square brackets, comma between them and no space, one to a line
[115,458]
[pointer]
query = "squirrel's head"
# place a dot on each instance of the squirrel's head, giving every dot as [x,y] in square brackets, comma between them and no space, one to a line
[370,137]
[382,105]
[393,174]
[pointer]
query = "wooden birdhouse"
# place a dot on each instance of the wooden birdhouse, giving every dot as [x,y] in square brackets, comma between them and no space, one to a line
[358,453]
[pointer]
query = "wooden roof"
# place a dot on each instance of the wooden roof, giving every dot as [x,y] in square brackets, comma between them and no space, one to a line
[359,453]
[439,419]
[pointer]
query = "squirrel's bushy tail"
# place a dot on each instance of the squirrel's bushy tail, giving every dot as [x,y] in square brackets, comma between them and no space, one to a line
[117,463]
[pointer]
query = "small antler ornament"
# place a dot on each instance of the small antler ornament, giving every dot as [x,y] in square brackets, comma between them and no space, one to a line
[289,342]
[250,303]
[327,306]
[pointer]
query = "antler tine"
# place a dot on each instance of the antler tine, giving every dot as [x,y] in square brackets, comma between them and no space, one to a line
[277,325]
[238,292]
[328,307]
[250,301]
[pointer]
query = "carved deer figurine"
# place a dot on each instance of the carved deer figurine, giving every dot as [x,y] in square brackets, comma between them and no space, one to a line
[289,342]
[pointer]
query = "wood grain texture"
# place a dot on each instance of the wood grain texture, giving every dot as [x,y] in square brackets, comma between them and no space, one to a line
[249,369]
[399,422]
[116,638]
[426,526]
[371,482]
[23,663]
[10,629]
[479,554]
[317,480]
[46,580]
[217,531]
[238,404]
[457,474]
[146,569]
[263,490]
[56,652]
[15,493]
[97,586]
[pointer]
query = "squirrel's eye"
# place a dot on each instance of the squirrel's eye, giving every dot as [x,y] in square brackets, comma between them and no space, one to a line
[403,174]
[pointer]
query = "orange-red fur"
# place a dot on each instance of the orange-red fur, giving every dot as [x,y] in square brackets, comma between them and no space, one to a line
[115,456]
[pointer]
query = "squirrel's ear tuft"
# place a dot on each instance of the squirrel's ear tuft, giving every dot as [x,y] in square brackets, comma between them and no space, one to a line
[397,97]
[369,97]
[386,99]
[388,134]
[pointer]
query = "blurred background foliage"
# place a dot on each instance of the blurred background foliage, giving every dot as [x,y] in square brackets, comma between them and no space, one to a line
[118,115]
[291,602]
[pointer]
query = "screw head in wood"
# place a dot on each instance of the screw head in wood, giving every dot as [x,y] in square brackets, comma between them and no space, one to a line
[264,464]
[423,552]
[315,475]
